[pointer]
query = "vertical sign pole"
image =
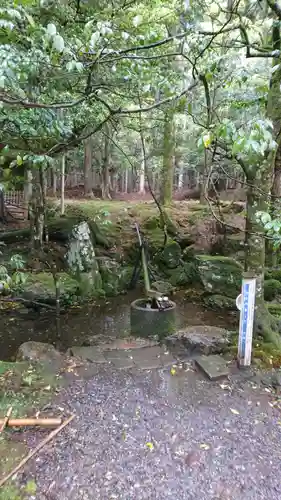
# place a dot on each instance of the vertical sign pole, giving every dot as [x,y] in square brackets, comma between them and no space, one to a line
[246,324]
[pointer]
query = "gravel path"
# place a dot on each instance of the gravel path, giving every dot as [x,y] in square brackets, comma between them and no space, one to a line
[152,435]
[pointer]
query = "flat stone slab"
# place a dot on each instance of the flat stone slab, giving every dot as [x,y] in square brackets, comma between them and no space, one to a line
[213,366]
[200,339]
[168,359]
[116,354]
[120,359]
[151,357]
[122,363]
[145,358]
[88,353]
[128,343]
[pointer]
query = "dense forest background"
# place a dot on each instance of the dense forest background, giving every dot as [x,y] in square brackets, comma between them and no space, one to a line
[150,99]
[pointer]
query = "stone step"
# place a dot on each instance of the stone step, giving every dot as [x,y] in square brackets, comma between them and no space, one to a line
[214,366]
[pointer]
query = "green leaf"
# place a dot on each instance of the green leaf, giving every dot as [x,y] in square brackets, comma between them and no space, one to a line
[58,43]
[19,160]
[30,19]
[51,30]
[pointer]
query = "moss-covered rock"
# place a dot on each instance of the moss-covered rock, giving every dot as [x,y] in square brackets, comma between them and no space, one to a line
[40,287]
[274,274]
[233,243]
[274,309]
[154,239]
[220,275]
[90,284]
[152,222]
[115,277]
[38,352]
[172,255]
[220,302]
[272,288]
[184,274]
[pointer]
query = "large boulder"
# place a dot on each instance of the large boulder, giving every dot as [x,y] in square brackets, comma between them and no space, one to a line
[220,275]
[82,260]
[183,275]
[220,302]
[115,277]
[38,352]
[81,254]
[200,340]
[172,255]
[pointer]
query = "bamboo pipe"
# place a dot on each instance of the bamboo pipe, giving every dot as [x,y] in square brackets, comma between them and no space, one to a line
[23,422]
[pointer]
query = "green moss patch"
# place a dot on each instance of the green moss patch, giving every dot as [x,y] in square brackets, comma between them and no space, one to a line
[220,275]
[272,288]
[41,287]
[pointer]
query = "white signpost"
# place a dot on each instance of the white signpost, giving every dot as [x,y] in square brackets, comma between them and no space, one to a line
[246,305]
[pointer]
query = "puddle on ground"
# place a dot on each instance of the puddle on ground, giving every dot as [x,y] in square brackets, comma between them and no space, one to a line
[109,318]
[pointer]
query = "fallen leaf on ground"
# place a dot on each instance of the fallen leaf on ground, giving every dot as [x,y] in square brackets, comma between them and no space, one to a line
[204,446]
[235,412]
[149,445]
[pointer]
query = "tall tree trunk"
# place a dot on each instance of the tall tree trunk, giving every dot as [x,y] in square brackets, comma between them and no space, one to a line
[36,214]
[258,199]
[143,167]
[105,167]
[273,111]
[203,179]
[275,205]
[180,178]
[62,200]
[259,185]
[126,181]
[43,187]
[166,188]
[88,160]
[27,190]
[142,177]
[54,181]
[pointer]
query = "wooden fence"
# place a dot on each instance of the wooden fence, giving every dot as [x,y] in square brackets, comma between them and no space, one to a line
[13,198]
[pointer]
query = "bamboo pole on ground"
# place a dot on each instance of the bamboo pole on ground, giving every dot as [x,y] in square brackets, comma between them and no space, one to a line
[36,450]
[25,422]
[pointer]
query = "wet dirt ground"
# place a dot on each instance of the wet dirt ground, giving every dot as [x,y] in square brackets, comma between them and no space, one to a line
[109,318]
[154,435]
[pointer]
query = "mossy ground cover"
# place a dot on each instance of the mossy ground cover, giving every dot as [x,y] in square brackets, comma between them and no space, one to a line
[116,219]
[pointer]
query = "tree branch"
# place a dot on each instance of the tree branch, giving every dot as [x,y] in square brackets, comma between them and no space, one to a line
[208,99]
[77,138]
[11,101]
[275,7]
[75,141]
[246,41]
[143,58]
[158,104]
